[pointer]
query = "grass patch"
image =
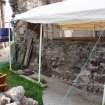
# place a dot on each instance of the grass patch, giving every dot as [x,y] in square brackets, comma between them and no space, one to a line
[32,90]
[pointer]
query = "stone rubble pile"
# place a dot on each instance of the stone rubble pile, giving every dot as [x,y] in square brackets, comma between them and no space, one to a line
[64,60]
[93,78]
[15,96]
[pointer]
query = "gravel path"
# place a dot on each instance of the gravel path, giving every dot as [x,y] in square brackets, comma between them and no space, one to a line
[56,91]
[4,55]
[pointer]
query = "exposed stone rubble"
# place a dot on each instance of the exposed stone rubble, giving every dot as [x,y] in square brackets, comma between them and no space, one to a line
[59,59]
[15,96]
[93,77]
[63,59]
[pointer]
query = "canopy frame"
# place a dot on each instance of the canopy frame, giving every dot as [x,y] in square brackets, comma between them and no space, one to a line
[40,53]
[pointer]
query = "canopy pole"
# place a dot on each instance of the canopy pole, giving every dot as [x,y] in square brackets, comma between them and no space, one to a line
[40,53]
[10,64]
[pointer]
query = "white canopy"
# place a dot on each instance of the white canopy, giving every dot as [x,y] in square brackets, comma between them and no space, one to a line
[72,11]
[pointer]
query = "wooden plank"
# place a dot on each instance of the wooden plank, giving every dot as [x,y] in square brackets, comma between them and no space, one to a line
[81,39]
[28,52]
[83,26]
[21,54]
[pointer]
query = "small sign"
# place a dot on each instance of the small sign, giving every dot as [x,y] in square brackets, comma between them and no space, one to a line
[4,34]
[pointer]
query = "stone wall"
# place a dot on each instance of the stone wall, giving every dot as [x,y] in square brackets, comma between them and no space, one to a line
[63,59]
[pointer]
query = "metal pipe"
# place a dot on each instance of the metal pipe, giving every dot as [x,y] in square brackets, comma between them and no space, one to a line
[40,53]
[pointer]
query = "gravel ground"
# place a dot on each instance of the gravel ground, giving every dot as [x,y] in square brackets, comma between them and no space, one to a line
[56,91]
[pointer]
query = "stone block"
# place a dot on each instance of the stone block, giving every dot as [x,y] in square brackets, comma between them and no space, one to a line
[16,93]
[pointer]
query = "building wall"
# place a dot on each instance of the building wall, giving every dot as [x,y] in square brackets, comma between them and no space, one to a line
[83,33]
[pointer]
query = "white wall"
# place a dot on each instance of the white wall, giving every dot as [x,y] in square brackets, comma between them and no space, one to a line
[83,33]
[70,33]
